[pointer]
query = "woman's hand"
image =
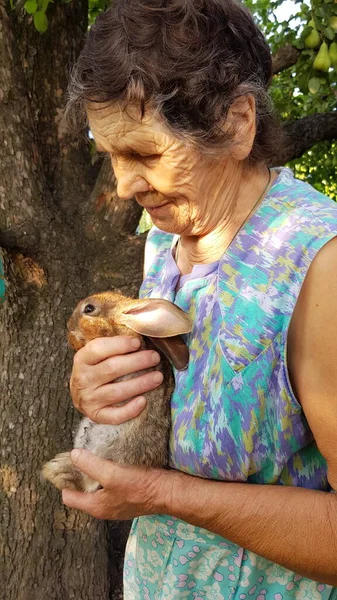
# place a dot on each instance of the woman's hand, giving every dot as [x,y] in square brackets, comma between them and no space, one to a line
[128,492]
[96,367]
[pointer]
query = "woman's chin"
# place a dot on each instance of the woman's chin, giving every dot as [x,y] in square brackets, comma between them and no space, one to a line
[163,218]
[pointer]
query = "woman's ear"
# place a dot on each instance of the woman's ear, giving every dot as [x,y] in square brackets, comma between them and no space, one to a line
[241,123]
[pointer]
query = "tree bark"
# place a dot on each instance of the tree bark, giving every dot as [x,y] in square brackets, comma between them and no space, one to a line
[54,253]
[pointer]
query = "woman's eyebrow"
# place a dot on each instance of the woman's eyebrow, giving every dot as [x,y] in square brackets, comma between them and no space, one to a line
[112,150]
[136,146]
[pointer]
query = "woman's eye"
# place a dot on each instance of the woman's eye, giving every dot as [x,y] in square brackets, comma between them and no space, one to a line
[150,157]
[145,157]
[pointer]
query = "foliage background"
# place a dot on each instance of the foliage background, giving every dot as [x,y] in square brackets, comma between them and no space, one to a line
[285,22]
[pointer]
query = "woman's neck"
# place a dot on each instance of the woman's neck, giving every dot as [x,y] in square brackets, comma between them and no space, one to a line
[208,248]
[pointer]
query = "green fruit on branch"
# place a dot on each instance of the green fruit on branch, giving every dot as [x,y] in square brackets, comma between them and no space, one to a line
[313,40]
[333,23]
[322,61]
[333,54]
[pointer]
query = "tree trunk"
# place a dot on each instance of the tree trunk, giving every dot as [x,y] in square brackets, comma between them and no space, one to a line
[60,241]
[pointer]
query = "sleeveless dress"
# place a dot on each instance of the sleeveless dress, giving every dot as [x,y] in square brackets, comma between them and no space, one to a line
[234,414]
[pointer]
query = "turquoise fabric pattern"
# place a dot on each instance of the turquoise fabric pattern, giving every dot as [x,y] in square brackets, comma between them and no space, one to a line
[234,414]
[2,282]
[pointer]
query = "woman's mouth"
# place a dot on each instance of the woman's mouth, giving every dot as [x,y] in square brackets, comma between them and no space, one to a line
[156,210]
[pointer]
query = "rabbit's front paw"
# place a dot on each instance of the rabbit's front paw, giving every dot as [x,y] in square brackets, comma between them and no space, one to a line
[62,473]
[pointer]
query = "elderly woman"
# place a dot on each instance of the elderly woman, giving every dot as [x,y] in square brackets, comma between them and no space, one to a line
[176,93]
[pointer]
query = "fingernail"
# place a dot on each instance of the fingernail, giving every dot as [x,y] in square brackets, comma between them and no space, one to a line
[155,358]
[64,495]
[141,401]
[135,343]
[158,377]
[75,455]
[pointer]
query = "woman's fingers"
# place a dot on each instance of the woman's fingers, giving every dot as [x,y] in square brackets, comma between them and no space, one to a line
[115,367]
[116,415]
[101,403]
[127,491]
[101,348]
[98,382]
[97,468]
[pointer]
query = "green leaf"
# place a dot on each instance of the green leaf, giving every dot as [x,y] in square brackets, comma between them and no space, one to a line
[306,31]
[303,83]
[40,21]
[314,85]
[43,5]
[299,44]
[31,6]
[321,11]
[329,33]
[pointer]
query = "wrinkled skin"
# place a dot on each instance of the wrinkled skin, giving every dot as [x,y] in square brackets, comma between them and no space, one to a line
[184,192]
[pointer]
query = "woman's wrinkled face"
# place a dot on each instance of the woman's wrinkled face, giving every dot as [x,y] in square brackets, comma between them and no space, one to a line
[172,181]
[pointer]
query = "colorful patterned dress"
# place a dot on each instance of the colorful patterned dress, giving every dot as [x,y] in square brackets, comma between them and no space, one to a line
[234,414]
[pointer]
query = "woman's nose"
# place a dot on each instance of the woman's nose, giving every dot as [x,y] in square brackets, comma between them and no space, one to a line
[128,185]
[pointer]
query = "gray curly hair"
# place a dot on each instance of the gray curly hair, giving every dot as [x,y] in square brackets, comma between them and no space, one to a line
[187,59]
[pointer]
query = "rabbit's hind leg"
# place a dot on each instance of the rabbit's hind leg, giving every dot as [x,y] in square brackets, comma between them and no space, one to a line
[62,473]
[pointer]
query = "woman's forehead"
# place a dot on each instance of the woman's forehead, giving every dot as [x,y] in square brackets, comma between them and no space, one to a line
[115,124]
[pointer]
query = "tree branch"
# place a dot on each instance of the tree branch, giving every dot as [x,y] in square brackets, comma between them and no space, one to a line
[285,57]
[302,134]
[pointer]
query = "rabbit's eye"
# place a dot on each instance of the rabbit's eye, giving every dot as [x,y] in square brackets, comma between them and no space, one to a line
[89,308]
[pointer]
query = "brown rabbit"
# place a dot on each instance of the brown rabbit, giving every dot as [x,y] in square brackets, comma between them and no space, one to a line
[143,440]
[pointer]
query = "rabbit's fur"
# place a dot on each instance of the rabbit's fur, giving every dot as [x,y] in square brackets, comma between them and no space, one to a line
[141,441]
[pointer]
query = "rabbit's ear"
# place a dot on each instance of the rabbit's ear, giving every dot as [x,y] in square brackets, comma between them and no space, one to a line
[156,318]
[175,349]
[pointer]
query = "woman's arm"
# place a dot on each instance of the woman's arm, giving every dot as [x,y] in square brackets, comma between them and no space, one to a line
[294,527]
